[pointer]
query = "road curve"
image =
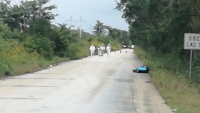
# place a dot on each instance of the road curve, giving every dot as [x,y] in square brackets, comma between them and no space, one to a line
[90,85]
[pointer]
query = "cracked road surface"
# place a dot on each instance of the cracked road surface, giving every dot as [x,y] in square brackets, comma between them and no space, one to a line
[90,85]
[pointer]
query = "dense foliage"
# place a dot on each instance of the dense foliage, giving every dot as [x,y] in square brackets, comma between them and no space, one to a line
[158,26]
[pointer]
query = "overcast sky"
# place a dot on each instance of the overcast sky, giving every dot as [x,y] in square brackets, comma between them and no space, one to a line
[90,11]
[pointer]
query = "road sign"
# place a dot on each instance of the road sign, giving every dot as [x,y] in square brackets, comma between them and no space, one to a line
[191,41]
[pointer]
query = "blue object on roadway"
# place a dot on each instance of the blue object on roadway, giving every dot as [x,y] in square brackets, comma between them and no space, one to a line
[142,68]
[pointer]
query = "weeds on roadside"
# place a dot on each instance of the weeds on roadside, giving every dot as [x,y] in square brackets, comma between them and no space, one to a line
[178,92]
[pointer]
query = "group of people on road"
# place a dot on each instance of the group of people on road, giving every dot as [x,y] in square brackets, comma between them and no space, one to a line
[100,49]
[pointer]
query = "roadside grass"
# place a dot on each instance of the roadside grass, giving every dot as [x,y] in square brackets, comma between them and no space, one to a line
[177,91]
[37,64]
[33,65]
[16,60]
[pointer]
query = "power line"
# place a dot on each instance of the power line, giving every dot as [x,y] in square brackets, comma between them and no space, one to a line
[71,20]
[81,20]
[60,15]
[71,24]
[87,26]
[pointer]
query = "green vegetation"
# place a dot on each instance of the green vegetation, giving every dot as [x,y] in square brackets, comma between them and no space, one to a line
[157,28]
[177,91]
[30,42]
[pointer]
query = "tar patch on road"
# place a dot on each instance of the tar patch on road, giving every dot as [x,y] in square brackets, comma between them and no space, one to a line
[147,82]
[49,73]
[24,86]
[41,78]
[1,98]
[124,80]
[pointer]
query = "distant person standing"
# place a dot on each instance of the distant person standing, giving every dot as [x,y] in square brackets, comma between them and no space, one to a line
[102,49]
[99,50]
[92,49]
[108,49]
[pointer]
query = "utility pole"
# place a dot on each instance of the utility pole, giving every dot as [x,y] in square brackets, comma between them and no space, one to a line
[80,26]
[91,29]
[81,20]
[70,27]
[71,24]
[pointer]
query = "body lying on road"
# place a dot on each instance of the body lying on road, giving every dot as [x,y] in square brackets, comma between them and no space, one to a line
[142,69]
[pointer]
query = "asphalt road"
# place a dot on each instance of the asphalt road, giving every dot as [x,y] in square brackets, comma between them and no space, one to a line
[90,85]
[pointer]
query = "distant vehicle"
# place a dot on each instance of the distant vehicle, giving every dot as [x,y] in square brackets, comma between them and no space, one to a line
[132,46]
[142,69]
[124,46]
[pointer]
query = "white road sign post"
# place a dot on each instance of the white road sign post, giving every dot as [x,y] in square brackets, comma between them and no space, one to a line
[191,42]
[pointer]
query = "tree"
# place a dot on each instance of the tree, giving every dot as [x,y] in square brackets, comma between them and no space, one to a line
[22,16]
[99,28]
[117,34]
[159,25]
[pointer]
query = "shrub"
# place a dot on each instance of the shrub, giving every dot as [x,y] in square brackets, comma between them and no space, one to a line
[42,46]
[79,49]
[13,54]
[115,45]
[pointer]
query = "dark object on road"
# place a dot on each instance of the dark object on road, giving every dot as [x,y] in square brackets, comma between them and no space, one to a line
[143,69]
